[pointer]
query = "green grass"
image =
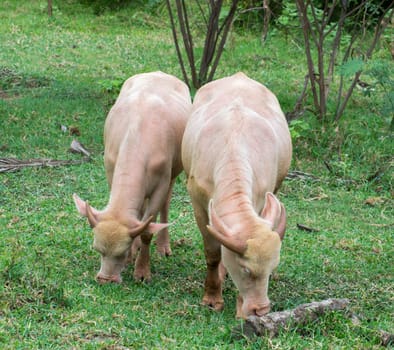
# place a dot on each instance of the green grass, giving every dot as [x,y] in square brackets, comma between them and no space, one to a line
[66,71]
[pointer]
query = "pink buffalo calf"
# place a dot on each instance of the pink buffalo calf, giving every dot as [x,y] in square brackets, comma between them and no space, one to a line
[142,136]
[236,151]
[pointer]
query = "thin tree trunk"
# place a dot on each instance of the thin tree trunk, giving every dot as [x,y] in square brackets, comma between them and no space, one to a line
[215,38]
[267,18]
[225,29]
[50,8]
[306,30]
[177,48]
[187,37]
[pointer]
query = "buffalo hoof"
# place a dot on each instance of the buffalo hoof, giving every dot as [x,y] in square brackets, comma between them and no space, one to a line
[164,250]
[142,276]
[214,303]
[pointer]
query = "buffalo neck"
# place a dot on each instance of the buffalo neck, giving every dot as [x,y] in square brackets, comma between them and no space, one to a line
[232,199]
[128,190]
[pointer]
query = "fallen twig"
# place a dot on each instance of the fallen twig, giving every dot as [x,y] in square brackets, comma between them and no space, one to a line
[296,174]
[270,324]
[386,338]
[13,164]
[328,166]
[306,228]
[383,225]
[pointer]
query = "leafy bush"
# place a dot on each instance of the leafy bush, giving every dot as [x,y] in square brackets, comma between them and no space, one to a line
[99,7]
[381,74]
[299,128]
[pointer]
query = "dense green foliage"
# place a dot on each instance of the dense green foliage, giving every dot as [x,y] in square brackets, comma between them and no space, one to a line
[66,70]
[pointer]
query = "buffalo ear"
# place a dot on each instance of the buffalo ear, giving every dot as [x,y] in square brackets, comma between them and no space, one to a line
[140,228]
[274,212]
[151,227]
[80,204]
[156,227]
[92,217]
[86,210]
[223,234]
[281,228]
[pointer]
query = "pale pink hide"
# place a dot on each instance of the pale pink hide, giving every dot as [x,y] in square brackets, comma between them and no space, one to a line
[142,135]
[236,151]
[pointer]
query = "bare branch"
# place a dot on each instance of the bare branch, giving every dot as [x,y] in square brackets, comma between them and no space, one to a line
[379,29]
[298,110]
[267,17]
[307,228]
[210,39]
[228,23]
[178,50]
[187,39]
[13,164]
[202,13]
[334,49]
[314,23]
[316,31]
[306,30]
[50,8]
[215,38]
[191,51]
[270,324]
[331,10]
[381,26]
[345,58]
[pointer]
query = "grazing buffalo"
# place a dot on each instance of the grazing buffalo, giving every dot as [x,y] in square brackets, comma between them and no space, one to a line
[142,135]
[236,151]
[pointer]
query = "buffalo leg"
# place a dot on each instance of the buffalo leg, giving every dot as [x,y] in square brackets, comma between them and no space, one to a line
[215,271]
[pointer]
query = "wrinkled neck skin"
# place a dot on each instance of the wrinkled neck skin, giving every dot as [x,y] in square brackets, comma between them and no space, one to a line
[127,198]
[128,191]
[233,199]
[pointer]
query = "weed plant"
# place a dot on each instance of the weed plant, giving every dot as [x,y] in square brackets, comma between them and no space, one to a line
[66,70]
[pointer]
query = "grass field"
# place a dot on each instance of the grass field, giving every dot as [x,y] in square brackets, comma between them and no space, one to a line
[65,70]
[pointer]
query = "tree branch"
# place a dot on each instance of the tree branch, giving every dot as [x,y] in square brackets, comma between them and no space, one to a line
[379,29]
[306,30]
[178,50]
[270,324]
[227,25]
